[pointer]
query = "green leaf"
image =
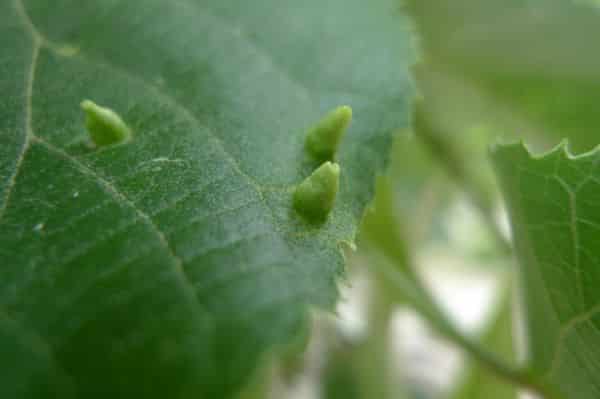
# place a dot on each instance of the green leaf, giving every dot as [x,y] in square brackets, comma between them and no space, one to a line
[555,215]
[167,265]
[524,66]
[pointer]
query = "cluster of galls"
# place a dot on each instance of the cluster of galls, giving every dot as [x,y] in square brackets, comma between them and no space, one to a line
[313,198]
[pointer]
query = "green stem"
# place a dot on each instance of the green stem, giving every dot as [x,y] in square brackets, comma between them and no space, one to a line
[412,289]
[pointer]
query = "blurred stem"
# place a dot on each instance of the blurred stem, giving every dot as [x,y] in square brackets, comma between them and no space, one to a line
[497,335]
[374,352]
[425,210]
[400,282]
[412,289]
[447,154]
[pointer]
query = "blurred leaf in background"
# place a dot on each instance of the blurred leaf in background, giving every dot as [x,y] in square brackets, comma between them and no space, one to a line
[525,68]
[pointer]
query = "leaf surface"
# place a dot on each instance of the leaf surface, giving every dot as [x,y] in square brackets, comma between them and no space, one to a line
[555,213]
[165,267]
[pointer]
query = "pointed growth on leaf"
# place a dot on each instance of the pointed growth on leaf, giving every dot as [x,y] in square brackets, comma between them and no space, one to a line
[104,125]
[324,138]
[315,196]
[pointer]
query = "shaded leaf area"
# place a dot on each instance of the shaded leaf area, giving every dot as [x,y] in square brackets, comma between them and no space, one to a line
[524,67]
[166,266]
[553,204]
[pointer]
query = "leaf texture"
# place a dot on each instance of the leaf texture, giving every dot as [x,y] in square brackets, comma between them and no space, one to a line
[555,214]
[166,266]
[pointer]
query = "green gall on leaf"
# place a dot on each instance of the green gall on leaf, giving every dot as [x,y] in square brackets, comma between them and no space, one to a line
[324,138]
[104,125]
[315,196]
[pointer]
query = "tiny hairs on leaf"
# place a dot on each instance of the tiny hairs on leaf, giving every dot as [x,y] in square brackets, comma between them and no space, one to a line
[104,125]
[323,139]
[315,196]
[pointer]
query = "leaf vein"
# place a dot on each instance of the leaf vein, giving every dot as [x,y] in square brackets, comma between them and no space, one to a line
[37,42]
[115,193]
[566,329]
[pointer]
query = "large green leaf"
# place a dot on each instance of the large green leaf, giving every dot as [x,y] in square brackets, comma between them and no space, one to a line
[525,67]
[554,207]
[166,266]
